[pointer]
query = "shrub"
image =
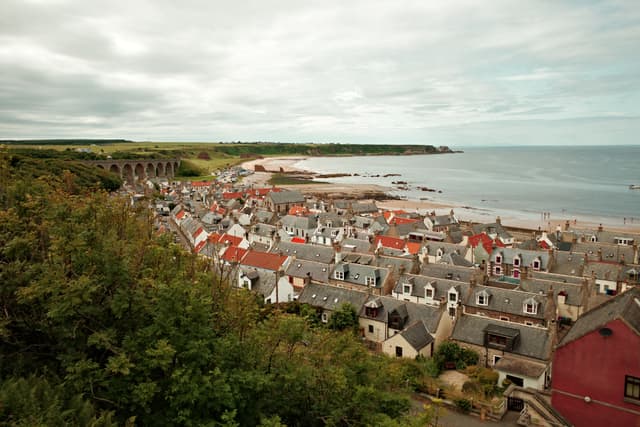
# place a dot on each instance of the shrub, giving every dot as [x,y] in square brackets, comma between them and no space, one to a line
[464,405]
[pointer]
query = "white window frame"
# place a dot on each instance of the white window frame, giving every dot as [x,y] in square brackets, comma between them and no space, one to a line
[339,275]
[455,297]
[516,262]
[537,264]
[370,281]
[324,317]
[485,299]
[498,259]
[428,291]
[406,289]
[534,308]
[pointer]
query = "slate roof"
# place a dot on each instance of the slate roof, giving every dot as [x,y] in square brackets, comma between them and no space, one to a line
[609,252]
[526,257]
[455,259]
[357,273]
[492,229]
[415,312]
[575,293]
[361,207]
[532,342]
[450,272]
[309,252]
[301,222]
[506,301]
[431,248]
[286,197]
[441,286]
[317,271]
[625,306]
[605,270]
[417,335]
[520,367]
[331,297]
[568,263]
[355,245]
[543,275]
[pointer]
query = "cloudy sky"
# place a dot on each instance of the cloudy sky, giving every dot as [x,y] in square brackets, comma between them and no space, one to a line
[436,72]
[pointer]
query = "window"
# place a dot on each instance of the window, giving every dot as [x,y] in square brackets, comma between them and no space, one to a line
[516,262]
[406,289]
[398,351]
[503,318]
[528,323]
[370,329]
[452,311]
[339,275]
[516,274]
[536,264]
[496,358]
[325,317]
[453,297]
[498,270]
[429,293]
[530,307]
[631,387]
[498,259]
[497,340]
[482,299]
[370,281]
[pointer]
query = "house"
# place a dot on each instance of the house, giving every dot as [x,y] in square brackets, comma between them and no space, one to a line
[300,226]
[515,262]
[495,231]
[263,234]
[282,201]
[440,223]
[272,287]
[384,317]
[412,342]
[433,252]
[430,291]
[527,348]
[304,251]
[597,365]
[361,277]
[328,299]
[301,272]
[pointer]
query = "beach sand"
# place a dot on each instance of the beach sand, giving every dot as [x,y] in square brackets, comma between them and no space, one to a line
[463,213]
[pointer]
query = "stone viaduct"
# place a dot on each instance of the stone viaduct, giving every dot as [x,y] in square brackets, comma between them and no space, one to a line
[137,169]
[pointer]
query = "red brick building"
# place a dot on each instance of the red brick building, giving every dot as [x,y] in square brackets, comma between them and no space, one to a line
[596,368]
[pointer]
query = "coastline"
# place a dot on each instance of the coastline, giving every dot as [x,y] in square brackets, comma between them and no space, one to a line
[464,213]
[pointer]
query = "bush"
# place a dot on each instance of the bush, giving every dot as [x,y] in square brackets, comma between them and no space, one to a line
[464,405]
[188,169]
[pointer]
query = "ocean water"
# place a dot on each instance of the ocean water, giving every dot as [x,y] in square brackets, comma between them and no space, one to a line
[587,182]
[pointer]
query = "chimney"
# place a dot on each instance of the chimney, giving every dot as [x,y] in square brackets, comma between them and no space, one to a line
[600,227]
[498,220]
[599,254]
[402,269]
[338,254]
[562,298]
[307,279]
[524,274]
[567,225]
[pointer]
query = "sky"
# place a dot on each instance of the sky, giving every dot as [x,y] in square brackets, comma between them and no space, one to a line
[457,73]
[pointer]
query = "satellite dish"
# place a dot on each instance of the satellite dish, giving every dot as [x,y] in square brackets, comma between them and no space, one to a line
[605,332]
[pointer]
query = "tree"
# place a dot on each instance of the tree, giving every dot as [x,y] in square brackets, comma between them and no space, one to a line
[344,318]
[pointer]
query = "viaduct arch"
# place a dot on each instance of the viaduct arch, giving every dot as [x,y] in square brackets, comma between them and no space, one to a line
[139,169]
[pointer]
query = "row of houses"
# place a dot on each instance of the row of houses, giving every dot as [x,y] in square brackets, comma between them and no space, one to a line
[419,279]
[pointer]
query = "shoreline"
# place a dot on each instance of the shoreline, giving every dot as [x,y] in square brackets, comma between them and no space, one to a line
[463,212]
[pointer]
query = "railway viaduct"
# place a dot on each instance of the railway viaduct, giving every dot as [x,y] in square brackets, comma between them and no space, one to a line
[137,169]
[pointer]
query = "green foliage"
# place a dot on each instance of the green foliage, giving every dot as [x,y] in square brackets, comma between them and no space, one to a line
[450,352]
[345,317]
[188,169]
[464,405]
[105,322]
[483,381]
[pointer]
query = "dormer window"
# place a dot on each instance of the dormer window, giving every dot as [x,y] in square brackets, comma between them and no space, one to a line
[453,297]
[370,281]
[482,298]
[339,275]
[498,259]
[536,264]
[428,292]
[594,239]
[439,253]
[516,262]
[530,306]
[406,289]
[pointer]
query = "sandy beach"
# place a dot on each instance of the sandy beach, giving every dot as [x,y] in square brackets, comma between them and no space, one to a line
[362,191]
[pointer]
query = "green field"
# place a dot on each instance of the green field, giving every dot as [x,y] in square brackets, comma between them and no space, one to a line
[204,158]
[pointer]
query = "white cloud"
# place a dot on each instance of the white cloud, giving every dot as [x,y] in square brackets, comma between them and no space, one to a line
[289,70]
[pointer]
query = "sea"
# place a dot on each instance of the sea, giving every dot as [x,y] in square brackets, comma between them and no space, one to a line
[531,182]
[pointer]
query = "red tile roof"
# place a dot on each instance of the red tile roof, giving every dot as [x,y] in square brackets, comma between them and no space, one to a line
[389,242]
[482,239]
[298,210]
[400,220]
[298,240]
[413,247]
[263,260]
[228,238]
[201,183]
[234,254]
[180,215]
[199,246]
[232,195]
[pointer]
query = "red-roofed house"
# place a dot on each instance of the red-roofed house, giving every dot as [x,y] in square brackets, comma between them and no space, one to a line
[397,244]
[234,254]
[298,210]
[232,195]
[263,273]
[264,260]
